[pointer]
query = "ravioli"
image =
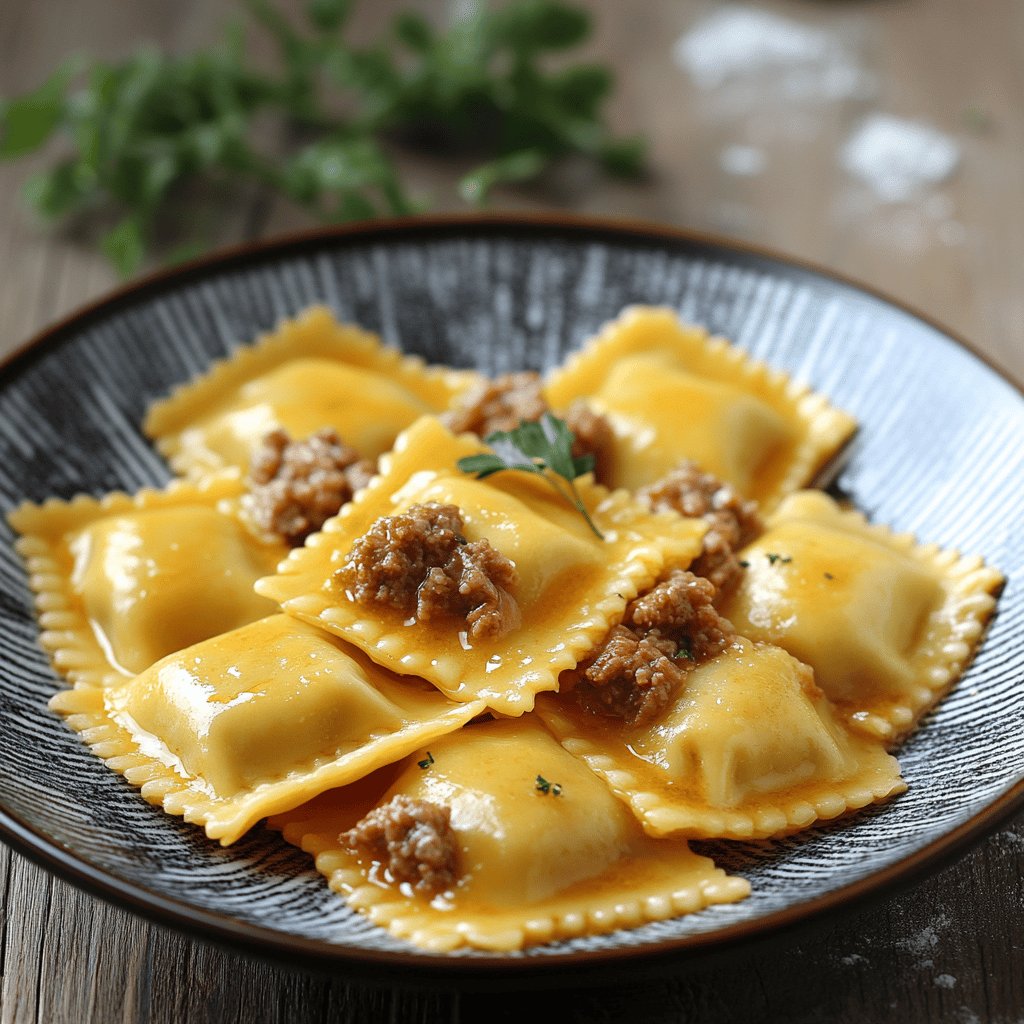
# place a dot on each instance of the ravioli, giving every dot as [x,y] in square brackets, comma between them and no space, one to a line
[887,625]
[311,373]
[122,581]
[749,749]
[672,393]
[256,721]
[572,586]
[535,865]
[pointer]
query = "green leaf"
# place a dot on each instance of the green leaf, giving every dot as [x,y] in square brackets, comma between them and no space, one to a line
[544,448]
[624,157]
[60,191]
[532,25]
[583,464]
[414,30]
[28,121]
[522,166]
[582,88]
[125,245]
[559,439]
[328,15]
[483,465]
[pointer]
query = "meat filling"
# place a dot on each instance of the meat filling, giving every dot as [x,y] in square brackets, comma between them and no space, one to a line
[296,486]
[514,398]
[499,404]
[412,839]
[732,520]
[420,562]
[666,633]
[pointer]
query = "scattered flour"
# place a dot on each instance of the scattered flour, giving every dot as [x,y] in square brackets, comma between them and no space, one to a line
[805,62]
[742,161]
[925,941]
[853,959]
[897,158]
[945,981]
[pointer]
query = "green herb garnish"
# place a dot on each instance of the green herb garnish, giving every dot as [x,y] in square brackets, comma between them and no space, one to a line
[685,650]
[543,447]
[773,557]
[140,132]
[427,761]
[744,564]
[545,787]
[829,576]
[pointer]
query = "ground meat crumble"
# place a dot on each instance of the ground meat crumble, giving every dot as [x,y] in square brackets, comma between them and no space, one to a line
[296,486]
[420,562]
[514,398]
[499,404]
[412,839]
[732,520]
[666,632]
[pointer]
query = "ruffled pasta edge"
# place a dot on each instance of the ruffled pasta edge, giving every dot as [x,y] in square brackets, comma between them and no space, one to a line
[169,786]
[827,429]
[438,932]
[65,632]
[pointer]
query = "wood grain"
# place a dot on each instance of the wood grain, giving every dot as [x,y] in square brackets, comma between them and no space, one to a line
[950,949]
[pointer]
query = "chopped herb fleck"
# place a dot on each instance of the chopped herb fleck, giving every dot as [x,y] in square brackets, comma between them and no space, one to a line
[427,761]
[545,787]
[744,564]
[829,576]
[685,650]
[774,557]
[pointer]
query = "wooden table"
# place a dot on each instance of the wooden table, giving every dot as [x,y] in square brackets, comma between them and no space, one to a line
[757,157]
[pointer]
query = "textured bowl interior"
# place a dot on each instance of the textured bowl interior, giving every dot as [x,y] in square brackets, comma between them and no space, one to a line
[939,453]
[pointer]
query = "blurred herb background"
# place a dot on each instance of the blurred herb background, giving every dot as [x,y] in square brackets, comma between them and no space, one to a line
[135,132]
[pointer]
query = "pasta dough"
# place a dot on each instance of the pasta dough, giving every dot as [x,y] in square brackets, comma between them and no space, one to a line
[311,373]
[256,721]
[121,582]
[749,749]
[571,588]
[672,393]
[535,866]
[887,624]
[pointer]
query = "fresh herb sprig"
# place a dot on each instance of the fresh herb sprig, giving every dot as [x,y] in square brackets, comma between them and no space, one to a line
[142,129]
[543,447]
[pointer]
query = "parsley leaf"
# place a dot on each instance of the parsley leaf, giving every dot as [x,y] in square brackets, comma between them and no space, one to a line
[543,447]
[141,131]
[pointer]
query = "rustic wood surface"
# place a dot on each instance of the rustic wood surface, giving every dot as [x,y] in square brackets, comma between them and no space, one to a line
[951,949]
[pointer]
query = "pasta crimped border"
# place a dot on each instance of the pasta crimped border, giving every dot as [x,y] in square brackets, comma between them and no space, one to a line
[777,818]
[827,429]
[167,784]
[65,631]
[661,545]
[314,332]
[565,918]
[955,628]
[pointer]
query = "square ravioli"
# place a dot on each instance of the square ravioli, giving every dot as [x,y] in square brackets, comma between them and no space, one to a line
[749,748]
[311,373]
[672,393]
[569,588]
[122,581]
[498,839]
[255,722]
[888,625]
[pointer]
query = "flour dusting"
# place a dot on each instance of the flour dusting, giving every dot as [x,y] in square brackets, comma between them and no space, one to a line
[945,981]
[742,161]
[898,158]
[803,61]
